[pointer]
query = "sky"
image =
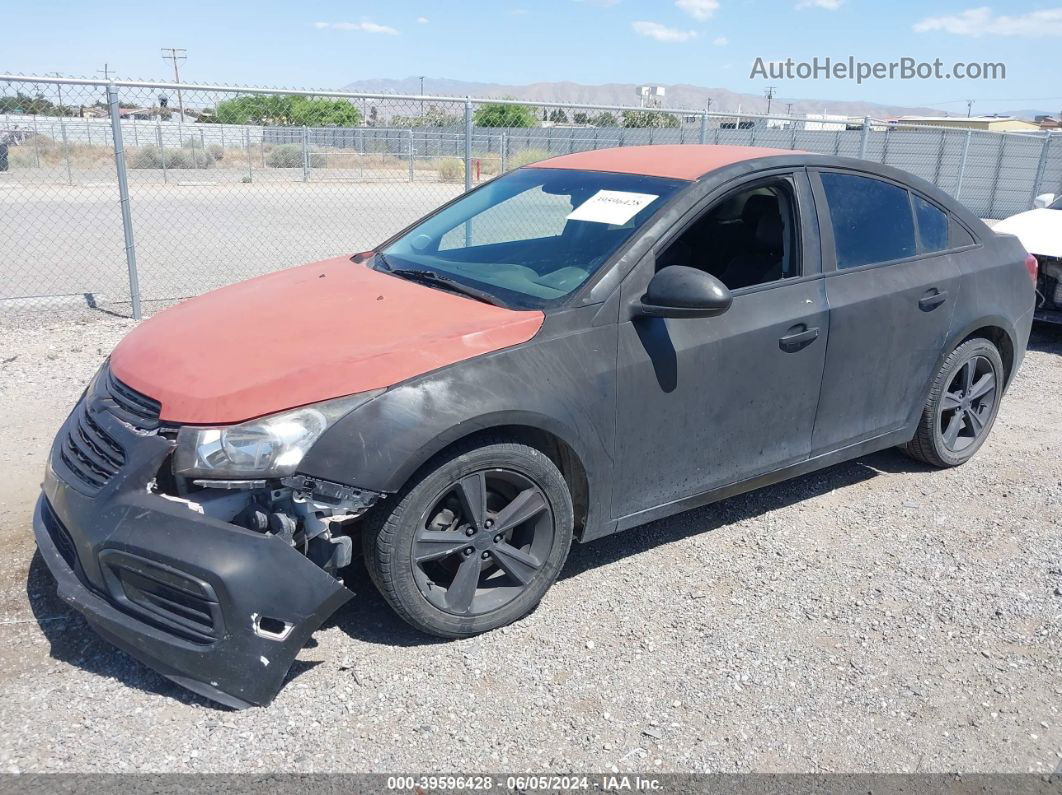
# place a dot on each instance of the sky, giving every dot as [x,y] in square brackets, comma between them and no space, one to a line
[327,44]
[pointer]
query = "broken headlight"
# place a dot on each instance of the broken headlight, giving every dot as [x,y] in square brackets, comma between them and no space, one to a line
[266,447]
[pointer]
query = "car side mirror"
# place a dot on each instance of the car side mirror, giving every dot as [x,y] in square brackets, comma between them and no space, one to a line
[679,291]
[1043,200]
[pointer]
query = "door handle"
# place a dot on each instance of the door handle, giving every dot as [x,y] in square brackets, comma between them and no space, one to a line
[932,299]
[797,338]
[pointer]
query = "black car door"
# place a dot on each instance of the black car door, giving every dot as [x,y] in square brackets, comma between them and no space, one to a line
[891,287]
[706,402]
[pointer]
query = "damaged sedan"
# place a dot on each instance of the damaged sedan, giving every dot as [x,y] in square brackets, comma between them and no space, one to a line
[570,350]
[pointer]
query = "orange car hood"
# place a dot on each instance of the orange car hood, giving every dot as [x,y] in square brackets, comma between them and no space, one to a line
[311,333]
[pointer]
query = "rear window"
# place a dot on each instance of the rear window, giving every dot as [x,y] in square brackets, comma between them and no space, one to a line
[872,220]
[932,226]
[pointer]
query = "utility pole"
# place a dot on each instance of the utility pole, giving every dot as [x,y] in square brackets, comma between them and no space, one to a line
[422,95]
[769,93]
[789,109]
[708,105]
[105,71]
[969,107]
[176,54]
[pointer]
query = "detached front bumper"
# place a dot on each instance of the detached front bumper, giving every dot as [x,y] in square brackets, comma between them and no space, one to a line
[218,609]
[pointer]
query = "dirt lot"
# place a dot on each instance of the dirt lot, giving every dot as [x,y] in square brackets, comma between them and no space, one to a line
[876,616]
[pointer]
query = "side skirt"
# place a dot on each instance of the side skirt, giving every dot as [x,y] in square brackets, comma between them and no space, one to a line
[715,495]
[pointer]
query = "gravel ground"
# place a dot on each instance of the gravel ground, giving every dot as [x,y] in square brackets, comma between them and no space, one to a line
[876,616]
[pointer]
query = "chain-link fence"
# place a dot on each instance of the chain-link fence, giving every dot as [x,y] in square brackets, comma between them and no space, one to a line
[125,192]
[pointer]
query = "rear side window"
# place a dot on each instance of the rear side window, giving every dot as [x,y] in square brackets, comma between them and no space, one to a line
[872,220]
[932,226]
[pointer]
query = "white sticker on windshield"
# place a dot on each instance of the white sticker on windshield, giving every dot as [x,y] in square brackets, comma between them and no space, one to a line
[611,207]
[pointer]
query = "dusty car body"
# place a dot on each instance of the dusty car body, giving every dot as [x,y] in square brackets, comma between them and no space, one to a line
[1040,231]
[648,330]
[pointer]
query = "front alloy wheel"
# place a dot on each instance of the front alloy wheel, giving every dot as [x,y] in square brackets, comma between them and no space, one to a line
[474,543]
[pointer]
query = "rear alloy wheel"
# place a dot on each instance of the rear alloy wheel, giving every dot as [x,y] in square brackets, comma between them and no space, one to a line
[962,406]
[475,543]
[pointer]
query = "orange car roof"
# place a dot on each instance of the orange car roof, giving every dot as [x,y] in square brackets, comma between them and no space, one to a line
[677,161]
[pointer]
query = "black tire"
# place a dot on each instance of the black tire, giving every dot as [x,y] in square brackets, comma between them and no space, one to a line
[436,504]
[953,425]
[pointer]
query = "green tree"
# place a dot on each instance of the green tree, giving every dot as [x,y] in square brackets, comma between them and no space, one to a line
[502,114]
[558,116]
[604,119]
[649,118]
[580,118]
[34,105]
[285,109]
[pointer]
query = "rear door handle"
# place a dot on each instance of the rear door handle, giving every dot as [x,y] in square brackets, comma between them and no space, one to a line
[932,299]
[798,337]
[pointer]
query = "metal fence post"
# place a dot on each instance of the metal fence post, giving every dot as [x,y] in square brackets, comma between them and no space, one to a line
[995,178]
[123,195]
[36,144]
[704,127]
[66,153]
[863,139]
[504,150]
[410,154]
[250,157]
[305,154]
[940,155]
[1041,167]
[962,164]
[468,144]
[162,151]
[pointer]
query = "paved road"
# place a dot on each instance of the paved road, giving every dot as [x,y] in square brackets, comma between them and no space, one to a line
[59,240]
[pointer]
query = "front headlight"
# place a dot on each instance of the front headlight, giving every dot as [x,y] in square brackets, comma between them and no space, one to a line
[269,446]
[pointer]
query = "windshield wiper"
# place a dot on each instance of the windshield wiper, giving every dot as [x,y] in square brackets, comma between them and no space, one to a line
[434,279]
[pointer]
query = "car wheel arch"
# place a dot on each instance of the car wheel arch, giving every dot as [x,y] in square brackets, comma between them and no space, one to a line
[994,328]
[537,432]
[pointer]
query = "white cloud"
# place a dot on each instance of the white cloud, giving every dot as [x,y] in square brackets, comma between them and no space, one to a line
[366,26]
[982,22]
[698,9]
[829,5]
[423,20]
[654,30]
[720,41]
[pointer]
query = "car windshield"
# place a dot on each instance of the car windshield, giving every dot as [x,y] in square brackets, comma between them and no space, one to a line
[1056,204]
[530,238]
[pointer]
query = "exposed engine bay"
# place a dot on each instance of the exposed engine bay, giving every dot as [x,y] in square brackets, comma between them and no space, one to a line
[313,516]
[1049,287]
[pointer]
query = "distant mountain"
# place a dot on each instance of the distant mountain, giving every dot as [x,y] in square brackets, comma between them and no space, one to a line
[677,96]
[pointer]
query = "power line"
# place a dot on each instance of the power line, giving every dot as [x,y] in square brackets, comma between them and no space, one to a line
[176,54]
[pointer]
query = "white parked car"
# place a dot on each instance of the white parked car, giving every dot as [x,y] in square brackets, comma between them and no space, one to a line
[1040,231]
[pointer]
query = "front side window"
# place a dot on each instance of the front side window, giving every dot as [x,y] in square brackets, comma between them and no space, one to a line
[532,237]
[872,220]
[932,226]
[1056,204]
[746,239]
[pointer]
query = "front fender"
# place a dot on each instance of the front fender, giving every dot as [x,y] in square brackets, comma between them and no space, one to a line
[563,386]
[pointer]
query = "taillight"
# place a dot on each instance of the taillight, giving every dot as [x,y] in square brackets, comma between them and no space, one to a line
[1033,267]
